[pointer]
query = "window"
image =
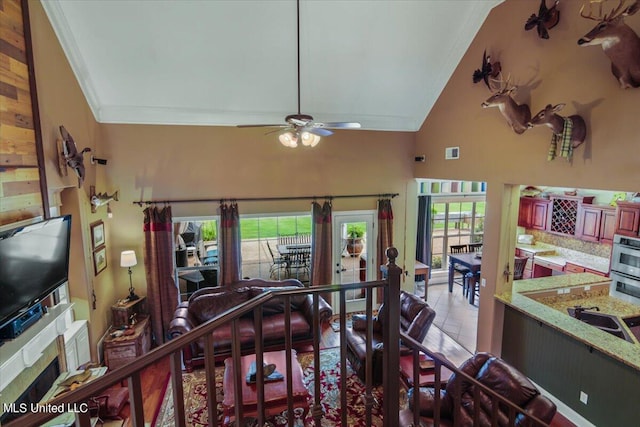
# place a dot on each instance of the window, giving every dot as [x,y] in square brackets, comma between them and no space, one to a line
[276,247]
[196,255]
[455,221]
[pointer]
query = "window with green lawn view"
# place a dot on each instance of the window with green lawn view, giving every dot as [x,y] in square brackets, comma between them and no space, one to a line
[276,247]
[455,221]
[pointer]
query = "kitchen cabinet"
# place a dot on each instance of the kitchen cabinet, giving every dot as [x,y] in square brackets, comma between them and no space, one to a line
[543,268]
[628,218]
[563,213]
[595,223]
[533,213]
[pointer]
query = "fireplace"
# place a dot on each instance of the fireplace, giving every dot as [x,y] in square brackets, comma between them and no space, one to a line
[36,390]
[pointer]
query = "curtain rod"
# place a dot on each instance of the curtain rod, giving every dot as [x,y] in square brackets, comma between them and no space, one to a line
[263,199]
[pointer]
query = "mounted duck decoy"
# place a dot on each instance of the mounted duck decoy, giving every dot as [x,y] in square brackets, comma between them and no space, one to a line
[545,20]
[73,157]
[488,72]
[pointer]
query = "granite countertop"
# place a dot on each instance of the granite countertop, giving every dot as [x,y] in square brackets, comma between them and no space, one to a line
[561,256]
[575,289]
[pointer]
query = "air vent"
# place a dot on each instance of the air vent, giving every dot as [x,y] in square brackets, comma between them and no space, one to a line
[452,153]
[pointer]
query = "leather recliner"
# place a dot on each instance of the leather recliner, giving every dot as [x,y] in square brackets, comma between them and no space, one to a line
[416,318]
[497,375]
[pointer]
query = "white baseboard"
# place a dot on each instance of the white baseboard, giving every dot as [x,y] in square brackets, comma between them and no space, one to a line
[565,410]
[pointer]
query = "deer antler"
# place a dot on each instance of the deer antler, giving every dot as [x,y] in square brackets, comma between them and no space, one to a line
[599,17]
[615,12]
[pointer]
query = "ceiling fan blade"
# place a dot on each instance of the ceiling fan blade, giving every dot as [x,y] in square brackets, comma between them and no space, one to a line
[263,126]
[318,131]
[281,129]
[341,125]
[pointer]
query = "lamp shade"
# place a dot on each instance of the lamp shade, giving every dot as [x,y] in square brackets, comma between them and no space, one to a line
[128,259]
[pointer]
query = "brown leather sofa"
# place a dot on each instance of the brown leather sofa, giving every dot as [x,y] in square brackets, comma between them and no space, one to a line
[208,303]
[416,318]
[500,377]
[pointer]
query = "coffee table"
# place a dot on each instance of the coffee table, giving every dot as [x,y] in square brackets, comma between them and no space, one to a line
[427,376]
[275,393]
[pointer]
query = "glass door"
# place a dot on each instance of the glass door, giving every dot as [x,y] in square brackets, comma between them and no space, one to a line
[354,255]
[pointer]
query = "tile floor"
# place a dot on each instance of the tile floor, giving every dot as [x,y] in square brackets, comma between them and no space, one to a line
[454,315]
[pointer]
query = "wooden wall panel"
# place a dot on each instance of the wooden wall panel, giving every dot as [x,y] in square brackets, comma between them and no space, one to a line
[21,190]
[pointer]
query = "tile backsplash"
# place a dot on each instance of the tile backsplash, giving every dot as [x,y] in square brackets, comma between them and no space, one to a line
[592,248]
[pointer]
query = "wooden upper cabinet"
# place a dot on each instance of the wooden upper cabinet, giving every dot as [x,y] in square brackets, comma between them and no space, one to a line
[563,213]
[627,218]
[608,225]
[595,223]
[524,213]
[539,212]
[533,213]
[588,226]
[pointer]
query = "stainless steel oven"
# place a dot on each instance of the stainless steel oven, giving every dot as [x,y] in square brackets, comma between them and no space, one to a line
[625,268]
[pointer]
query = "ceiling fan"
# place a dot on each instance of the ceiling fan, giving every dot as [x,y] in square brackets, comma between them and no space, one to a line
[302,127]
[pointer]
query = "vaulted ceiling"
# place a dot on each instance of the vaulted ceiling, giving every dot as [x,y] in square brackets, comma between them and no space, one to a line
[229,62]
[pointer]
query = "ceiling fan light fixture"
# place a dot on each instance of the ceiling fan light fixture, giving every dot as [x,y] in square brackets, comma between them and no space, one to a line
[288,139]
[309,139]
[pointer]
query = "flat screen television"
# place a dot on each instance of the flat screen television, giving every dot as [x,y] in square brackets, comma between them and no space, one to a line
[34,261]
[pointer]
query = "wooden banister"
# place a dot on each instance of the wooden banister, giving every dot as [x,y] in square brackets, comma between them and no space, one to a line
[391,381]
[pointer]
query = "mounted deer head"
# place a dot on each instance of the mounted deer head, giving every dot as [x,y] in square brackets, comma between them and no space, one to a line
[569,131]
[517,116]
[619,42]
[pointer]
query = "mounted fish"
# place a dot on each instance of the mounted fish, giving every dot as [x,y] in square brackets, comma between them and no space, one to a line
[517,115]
[100,199]
[545,20]
[74,158]
[570,131]
[619,42]
[488,72]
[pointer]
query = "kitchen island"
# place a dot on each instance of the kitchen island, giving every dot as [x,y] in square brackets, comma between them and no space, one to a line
[572,360]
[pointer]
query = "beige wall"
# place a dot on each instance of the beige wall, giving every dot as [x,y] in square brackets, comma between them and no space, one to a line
[550,71]
[185,162]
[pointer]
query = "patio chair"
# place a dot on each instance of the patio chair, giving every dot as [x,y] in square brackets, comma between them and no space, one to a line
[277,263]
[299,259]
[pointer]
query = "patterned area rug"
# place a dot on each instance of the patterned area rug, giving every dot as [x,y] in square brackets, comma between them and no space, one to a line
[195,393]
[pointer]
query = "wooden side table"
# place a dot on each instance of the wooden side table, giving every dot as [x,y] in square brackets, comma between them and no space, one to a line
[122,312]
[119,350]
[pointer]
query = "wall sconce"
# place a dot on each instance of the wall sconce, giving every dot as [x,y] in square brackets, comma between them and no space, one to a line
[101,199]
[128,259]
[99,161]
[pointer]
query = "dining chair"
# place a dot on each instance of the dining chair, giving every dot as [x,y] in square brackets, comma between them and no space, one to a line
[518,267]
[460,272]
[474,247]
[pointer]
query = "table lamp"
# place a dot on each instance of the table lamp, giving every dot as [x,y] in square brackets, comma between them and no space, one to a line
[128,259]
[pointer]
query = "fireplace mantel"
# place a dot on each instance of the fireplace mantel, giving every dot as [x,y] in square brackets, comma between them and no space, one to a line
[22,352]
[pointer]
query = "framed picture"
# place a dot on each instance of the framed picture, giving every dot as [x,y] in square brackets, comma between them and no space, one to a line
[99,259]
[97,235]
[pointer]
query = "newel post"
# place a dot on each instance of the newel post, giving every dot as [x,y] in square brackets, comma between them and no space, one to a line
[391,352]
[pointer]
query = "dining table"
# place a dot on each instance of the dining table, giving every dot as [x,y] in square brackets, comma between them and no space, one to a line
[470,260]
[287,249]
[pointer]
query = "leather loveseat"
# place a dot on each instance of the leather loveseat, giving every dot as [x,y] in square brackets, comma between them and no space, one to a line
[207,303]
[497,375]
[416,318]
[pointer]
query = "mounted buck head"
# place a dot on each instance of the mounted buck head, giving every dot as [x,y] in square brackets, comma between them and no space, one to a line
[570,130]
[619,42]
[517,116]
